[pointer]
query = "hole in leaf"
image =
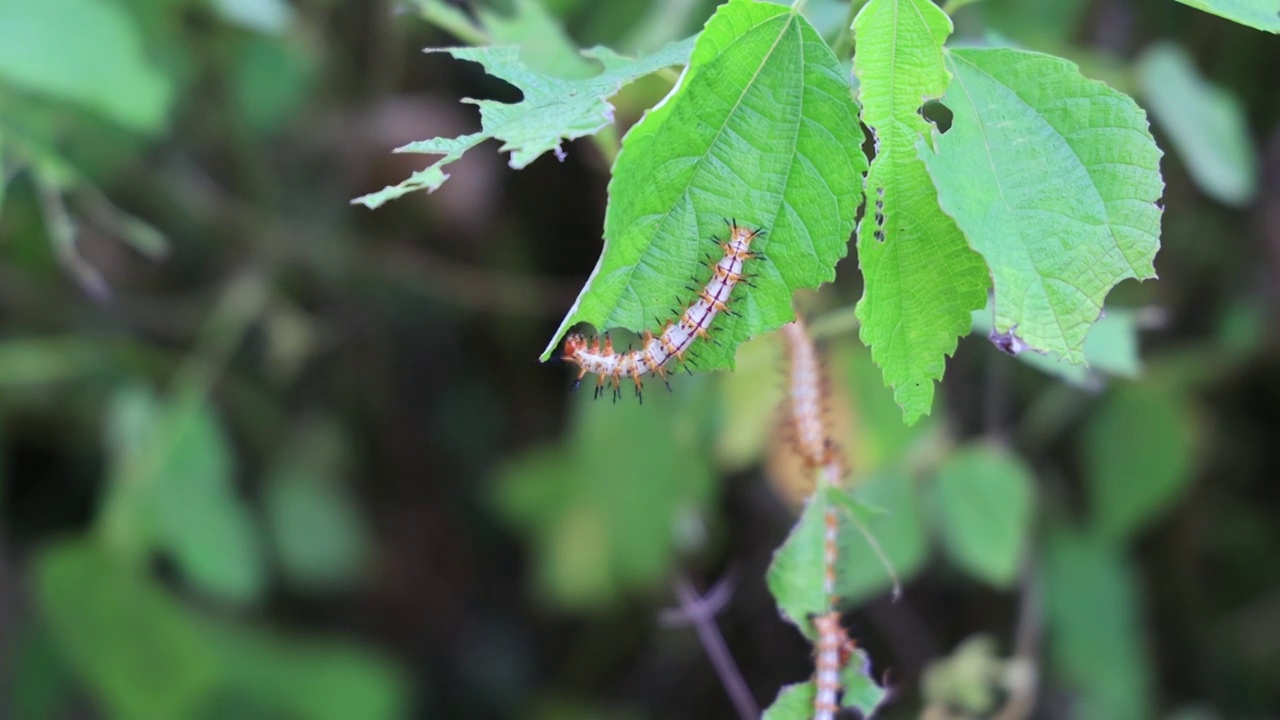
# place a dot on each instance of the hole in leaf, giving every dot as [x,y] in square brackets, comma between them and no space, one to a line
[938,114]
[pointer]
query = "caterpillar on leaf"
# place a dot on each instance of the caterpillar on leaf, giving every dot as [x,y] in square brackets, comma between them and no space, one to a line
[593,357]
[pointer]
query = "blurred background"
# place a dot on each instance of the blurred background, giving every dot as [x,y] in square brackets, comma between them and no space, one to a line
[264,454]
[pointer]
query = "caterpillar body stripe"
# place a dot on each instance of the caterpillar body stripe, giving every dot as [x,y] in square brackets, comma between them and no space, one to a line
[593,357]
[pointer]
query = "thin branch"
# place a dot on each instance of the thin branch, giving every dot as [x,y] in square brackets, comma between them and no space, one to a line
[701,613]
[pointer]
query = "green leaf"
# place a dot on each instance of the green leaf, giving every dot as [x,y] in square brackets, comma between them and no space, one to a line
[1206,123]
[922,279]
[794,702]
[319,537]
[553,110]
[795,577]
[605,516]
[762,129]
[307,679]
[1259,14]
[1110,349]
[140,653]
[1138,457]
[1093,614]
[861,691]
[87,52]
[171,490]
[1054,179]
[984,499]
[899,530]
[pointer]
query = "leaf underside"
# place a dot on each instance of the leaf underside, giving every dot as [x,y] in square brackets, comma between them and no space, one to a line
[1054,179]
[553,110]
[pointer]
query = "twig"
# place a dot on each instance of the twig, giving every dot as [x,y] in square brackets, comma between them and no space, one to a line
[701,613]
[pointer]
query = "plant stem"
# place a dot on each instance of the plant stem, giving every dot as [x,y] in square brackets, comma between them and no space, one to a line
[713,642]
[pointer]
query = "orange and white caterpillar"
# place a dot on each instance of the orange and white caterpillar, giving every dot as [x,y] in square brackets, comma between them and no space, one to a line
[676,337]
[804,391]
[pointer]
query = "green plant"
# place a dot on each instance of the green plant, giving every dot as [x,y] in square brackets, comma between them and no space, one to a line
[1039,195]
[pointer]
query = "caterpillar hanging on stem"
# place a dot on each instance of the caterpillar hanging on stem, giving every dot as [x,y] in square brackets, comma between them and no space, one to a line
[676,338]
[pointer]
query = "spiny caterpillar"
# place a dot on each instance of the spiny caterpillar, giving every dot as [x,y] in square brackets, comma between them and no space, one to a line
[676,337]
[804,391]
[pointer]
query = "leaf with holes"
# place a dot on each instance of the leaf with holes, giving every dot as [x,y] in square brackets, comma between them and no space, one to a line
[1054,179]
[553,110]
[761,128]
[922,279]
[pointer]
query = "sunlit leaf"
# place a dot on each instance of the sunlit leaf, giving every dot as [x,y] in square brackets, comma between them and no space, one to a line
[759,73]
[1056,242]
[921,278]
[984,500]
[1206,123]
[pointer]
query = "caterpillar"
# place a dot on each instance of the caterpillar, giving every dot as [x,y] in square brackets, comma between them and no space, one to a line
[676,337]
[804,391]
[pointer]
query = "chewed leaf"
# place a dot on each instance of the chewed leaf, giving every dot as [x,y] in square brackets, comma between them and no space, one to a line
[921,279]
[1056,242]
[553,110]
[762,129]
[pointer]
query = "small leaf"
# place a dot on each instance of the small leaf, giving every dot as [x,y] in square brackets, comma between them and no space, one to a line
[87,52]
[795,577]
[1056,241]
[860,571]
[984,500]
[921,278]
[553,110]
[760,78]
[794,702]
[1206,123]
[861,692]
[1138,452]
[140,653]
[1259,14]
[1093,614]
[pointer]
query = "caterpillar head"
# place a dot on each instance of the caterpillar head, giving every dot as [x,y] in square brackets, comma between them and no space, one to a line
[574,345]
